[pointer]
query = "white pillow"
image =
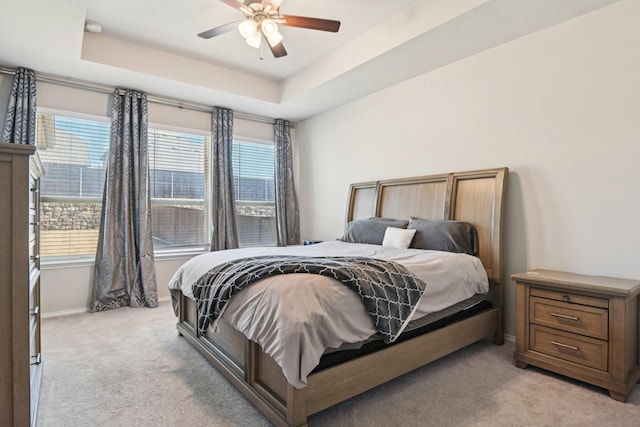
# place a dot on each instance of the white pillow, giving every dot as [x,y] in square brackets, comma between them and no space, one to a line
[398,237]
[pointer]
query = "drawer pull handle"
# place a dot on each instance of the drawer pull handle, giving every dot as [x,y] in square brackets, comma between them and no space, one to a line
[570,347]
[38,359]
[562,316]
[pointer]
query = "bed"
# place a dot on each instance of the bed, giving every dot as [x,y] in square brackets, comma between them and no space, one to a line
[475,197]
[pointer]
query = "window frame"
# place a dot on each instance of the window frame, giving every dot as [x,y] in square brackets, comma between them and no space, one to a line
[261,141]
[64,261]
[177,253]
[73,261]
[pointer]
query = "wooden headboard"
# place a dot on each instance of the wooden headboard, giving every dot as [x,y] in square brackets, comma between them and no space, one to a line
[475,196]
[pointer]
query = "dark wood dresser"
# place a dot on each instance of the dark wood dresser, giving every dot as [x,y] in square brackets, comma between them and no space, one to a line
[20,357]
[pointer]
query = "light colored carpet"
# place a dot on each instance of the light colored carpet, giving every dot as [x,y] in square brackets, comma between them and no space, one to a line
[129,367]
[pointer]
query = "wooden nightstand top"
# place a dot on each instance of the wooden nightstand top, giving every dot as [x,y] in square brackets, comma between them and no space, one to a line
[600,284]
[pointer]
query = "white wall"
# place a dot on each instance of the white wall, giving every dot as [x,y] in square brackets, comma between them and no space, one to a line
[560,108]
[67,290]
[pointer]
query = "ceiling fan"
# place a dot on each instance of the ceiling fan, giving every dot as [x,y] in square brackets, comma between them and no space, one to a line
[261,22]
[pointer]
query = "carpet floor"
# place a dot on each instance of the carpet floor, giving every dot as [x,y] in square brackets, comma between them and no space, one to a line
[129,367]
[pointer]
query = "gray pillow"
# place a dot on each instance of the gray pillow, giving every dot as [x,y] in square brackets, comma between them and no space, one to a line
[370,230]
[449,236]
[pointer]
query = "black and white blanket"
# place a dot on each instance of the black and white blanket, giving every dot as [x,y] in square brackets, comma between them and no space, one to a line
[388,290]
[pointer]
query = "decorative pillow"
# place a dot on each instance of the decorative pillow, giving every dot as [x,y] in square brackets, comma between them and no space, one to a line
[370,230]
[398,237]
[450,236]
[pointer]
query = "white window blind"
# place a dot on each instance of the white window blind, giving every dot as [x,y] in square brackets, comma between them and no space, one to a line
[177,178]
[73,152]
[253,170]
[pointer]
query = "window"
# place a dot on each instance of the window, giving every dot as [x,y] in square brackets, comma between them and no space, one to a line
[177,177]
[253,173]
[73,152]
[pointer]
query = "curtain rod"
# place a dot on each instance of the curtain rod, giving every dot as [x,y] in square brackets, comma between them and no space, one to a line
[156,99]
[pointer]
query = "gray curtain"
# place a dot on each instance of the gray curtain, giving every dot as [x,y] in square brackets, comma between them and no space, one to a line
[222,194]
[287,212]
[125,271]
[20,122]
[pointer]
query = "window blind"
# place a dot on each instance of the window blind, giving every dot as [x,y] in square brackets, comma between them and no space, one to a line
[73,152]
[253,170]
[177,178]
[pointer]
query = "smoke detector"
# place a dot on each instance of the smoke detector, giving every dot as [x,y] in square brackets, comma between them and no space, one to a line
[93,27]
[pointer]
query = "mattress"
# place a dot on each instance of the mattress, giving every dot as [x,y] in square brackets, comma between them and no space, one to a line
[425,324]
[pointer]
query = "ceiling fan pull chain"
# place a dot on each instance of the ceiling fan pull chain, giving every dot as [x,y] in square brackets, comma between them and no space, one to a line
[262,48]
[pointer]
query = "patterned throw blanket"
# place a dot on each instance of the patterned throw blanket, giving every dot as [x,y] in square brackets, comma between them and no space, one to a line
[388,290]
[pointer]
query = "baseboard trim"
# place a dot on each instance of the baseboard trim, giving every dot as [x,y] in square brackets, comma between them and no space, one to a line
[83,310]
[65,312]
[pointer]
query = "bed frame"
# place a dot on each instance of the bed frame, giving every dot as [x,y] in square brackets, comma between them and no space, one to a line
[476,197]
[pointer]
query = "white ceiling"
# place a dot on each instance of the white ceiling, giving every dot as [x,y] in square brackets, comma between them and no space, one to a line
[151,45]
[172,25]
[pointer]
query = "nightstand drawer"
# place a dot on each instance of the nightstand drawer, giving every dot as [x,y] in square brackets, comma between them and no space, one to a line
[581,319]
[569,297]
[571,347]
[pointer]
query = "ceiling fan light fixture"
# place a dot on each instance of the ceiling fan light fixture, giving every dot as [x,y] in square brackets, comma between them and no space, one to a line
[254,39]
[269,27]
[248,28]
[274,38]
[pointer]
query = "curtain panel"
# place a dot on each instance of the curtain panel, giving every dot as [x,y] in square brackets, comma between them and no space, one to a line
[20,122]
[222,194]
[287,211]
[124,269]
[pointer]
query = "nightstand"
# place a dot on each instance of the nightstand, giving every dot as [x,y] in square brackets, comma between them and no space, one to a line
[584,327]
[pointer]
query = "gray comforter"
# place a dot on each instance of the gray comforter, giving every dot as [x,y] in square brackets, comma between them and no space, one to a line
[389,292]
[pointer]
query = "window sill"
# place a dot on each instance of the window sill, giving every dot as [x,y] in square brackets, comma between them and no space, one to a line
[58,262]
[53,263]
[174,254]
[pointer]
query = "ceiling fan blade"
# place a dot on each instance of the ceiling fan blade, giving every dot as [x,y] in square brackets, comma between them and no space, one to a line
[278,50]
[311,23]
[240,5]
[274,3]
[219,30]
[233,3]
